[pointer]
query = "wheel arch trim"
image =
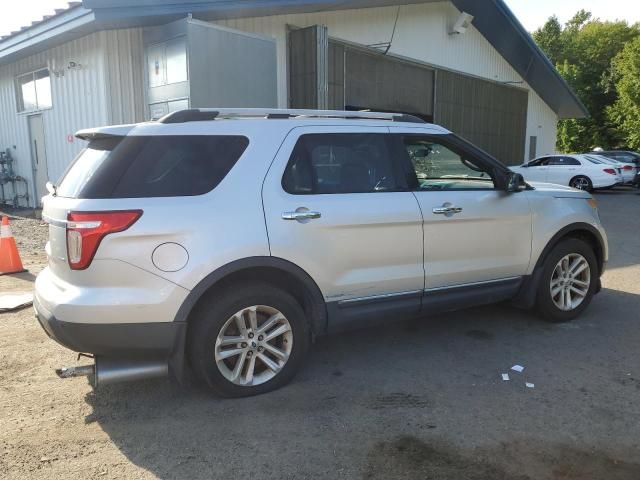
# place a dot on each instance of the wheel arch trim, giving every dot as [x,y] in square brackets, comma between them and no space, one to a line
[318,305]
[527,295]
[573,228]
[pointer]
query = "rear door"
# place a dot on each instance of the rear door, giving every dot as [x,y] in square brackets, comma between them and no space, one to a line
[563,169]
[536,171]
[336,204]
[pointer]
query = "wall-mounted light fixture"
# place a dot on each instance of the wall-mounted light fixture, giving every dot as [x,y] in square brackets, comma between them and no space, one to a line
[462,24]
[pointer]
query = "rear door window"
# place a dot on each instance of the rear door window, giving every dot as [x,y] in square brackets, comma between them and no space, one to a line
[343,163]
[152,166]
[563,162]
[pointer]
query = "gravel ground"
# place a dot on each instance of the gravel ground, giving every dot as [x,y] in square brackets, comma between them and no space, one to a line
[409,400]
[31,236]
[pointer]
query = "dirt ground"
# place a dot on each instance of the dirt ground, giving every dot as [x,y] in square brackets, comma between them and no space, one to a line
[420,400]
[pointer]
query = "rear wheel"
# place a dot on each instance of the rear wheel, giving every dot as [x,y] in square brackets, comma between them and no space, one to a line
[248,340]
[581,183]
[568,282]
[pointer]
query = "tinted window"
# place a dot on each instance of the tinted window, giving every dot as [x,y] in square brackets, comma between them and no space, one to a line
[342,163]
[563,161]
[439,167]
[592,159]
[622,157]
[152,166]
[540,162]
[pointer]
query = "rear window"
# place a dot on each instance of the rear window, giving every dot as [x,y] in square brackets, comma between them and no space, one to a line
[151,166]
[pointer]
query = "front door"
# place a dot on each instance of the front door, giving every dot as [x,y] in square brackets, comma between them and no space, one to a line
[473,233]
[537,170]
[38,156]
[337,205]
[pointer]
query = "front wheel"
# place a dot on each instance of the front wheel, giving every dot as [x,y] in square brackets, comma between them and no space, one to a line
[247,340]
[581,183]
[568,282]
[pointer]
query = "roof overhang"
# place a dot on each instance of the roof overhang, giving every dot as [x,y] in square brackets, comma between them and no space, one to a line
[63,27]
[506,34]
[492,18]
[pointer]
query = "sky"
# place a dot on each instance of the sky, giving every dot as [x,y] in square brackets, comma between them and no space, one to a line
[532,13]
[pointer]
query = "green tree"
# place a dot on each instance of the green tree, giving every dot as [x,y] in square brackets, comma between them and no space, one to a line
[625,112]
[550,39]
[583,50]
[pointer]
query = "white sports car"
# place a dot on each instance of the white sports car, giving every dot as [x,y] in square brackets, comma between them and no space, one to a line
[584,172]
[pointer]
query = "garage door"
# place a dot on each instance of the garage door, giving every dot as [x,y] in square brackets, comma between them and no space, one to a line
[383,83]
[488,114]
[328,73]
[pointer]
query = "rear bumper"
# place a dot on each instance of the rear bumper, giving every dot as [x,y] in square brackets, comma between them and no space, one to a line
[137,340]
[606,183]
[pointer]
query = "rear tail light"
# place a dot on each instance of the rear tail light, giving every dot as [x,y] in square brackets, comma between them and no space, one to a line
[85,231]
[610,171]
[627,168]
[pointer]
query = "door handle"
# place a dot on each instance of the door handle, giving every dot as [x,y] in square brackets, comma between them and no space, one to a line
[447,209]
[301,215]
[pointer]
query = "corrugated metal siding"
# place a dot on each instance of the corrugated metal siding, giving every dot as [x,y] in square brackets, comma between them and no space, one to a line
[542,122]
[379,82]
[308,51]
[107,89]
[79,101]
[125,75]
[492,116]
[421,34]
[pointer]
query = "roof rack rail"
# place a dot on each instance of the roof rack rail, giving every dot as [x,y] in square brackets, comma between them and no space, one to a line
[207,114]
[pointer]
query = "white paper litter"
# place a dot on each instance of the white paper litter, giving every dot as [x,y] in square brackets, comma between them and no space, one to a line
[530,385]
[11,301]
[505,377]
[517,368]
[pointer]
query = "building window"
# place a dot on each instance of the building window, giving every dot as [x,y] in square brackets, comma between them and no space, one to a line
[34,91]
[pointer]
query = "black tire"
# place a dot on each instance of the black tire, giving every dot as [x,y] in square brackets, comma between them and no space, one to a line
[581,183]
[212,316]
[544,301]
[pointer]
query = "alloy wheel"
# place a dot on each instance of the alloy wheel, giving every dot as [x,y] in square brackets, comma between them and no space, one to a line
[570,282]
[581,183]
[254,345]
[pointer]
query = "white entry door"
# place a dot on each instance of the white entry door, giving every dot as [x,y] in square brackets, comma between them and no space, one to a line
[38,156]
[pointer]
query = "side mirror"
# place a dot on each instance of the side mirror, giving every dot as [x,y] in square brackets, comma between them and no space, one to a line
[515,183]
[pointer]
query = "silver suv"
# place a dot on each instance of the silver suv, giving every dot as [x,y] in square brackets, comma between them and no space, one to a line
[226,240]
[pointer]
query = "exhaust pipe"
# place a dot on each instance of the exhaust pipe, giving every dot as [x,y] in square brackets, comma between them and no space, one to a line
[108,371]
[70,372]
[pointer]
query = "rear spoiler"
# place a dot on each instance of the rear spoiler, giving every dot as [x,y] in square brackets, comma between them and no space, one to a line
[104,132]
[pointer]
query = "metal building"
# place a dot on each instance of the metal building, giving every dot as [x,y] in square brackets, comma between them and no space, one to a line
[466,64]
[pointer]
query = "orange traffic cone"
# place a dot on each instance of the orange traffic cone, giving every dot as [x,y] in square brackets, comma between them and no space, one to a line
[9,257]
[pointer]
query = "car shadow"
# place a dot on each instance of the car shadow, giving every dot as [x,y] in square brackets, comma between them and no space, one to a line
[23,276]
[422,395]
